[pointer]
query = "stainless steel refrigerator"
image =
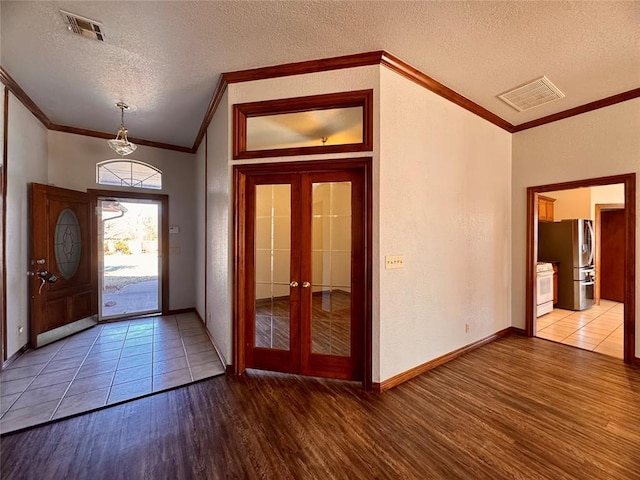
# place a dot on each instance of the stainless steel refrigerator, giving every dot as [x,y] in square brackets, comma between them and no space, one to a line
[570,243]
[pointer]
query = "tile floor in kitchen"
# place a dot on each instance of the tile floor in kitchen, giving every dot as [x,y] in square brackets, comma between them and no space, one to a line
[599,328]
[106,364]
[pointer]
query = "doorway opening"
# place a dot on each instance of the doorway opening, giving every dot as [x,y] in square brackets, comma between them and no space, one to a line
[130,265]
[303,277]
[131,235]
[579,315]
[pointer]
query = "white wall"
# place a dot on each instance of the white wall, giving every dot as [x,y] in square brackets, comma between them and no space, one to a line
[219,231]
[199,189]
[72,164]
[26,163]
[600,143]
[444,203]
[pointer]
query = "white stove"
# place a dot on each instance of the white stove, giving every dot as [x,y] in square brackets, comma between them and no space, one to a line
[544,284]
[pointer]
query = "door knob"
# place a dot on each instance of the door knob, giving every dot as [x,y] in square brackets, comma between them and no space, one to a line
[293,284]
[306,284]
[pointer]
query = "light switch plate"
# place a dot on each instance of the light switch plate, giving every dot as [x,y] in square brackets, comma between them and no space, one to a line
[393,261]
[174,229]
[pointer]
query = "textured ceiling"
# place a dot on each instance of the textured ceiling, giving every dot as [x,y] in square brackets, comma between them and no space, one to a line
[164,58]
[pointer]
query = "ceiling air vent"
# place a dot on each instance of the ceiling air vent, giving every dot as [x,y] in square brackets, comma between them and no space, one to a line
[532,94]
[83,26]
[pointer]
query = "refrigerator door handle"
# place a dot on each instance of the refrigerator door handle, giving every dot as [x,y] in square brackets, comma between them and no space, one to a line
[592,242]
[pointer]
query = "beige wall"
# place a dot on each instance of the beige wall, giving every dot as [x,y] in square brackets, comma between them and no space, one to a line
[574,203]
[200,240]
[72,164]
[581,202]
[26,163]
[219,231]
[444,203]
[606,194]
[596,144]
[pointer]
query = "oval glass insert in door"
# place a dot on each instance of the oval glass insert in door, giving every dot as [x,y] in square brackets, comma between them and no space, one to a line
[272,266]
[331,269]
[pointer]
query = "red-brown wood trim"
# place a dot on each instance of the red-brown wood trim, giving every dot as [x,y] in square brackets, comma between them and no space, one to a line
[239,187]
[630,270]
[598,253]
[367,328]
[587,107]
[436,362]
[629,181]
[206,224]
[358,98]
[532,252]
[15,356]
[3,250]
[518,331]
[107,136]
[239,271]
[415,75]
[164,225]
[218,93]
[308,66]
[21,95]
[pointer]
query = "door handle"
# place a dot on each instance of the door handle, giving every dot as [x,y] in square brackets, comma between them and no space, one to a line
[306,284]
[45,277]
[293,284]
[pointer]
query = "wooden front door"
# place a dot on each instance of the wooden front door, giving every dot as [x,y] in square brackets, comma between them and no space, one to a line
[304,282]
[612,255]
[63,289]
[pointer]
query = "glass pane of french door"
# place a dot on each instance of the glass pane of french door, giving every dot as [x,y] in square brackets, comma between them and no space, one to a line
[272,266]
[331,268]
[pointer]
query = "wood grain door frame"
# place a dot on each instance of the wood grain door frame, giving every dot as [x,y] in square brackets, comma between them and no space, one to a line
[240,173]
[3,212]
[629,181]
[163,199]
[599,207]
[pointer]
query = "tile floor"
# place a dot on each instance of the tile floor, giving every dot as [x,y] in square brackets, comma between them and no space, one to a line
[599,328]
[103,365]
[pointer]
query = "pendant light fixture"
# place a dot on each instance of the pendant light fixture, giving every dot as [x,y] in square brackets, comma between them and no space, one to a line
[121,144]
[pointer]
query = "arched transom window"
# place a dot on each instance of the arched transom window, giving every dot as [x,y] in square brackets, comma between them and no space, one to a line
[128,173]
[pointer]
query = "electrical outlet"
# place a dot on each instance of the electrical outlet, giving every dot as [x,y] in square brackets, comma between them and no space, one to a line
[393,261]
[467,328]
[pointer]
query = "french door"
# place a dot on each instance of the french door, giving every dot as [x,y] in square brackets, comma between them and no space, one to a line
[304,281]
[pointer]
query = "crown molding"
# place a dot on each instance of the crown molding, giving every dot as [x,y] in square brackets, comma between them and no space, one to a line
[284,70]
[587,107]
[221,87]
[22,96]
[402,68]
[108,136]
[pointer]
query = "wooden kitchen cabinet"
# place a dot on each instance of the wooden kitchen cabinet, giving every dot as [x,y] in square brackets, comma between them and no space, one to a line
[545,208]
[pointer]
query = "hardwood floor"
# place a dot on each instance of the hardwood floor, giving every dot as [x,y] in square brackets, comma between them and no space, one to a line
[330,323]
[516,408]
